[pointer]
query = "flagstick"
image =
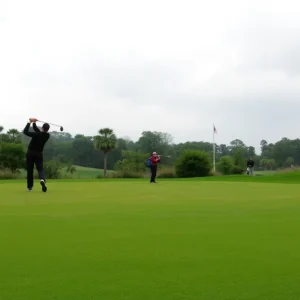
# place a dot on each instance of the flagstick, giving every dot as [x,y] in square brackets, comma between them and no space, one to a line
[214,150]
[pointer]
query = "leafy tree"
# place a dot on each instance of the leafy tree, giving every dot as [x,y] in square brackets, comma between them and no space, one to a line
[267,150]
[155,141]
[82,151]
[3,136]
[223,150]
[200,146]
[281,150]
[132,161]
[106,141]
[239,157]
[12,156]
[130,145]
[149,142]
[237,144]
[251,151]
[263,145]
[226,165]
[295,150]
[193,163]
[14,136]
[70,168]
[63,152]
[59,136]
[117,153]
[80,136]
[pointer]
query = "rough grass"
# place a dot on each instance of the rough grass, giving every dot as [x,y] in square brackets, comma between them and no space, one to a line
[85,173]
[128,239]
[80,173]
[279,177]
[163,172]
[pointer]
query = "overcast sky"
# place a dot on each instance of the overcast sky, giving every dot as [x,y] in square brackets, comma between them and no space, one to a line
[165,65]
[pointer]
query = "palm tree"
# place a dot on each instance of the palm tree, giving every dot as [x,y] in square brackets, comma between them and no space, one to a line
[106,141]
[264,162]
[1,128]
[271,163]
[290,161]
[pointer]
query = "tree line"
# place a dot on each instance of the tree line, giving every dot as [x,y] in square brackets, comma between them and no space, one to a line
[107,151]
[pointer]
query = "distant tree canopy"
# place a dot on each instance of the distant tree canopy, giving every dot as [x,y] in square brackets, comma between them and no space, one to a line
[12,150]
[89,151]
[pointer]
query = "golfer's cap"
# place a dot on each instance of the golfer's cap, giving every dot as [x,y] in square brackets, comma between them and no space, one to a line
[154,153]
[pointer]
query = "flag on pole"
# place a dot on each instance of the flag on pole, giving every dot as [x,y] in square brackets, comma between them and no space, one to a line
[215,130]
[214,149]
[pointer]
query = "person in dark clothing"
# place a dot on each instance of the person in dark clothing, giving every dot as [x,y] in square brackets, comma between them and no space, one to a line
[34,155]
[250,166]
[155,159]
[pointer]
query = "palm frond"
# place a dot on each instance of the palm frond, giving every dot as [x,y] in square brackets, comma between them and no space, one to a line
[106,141]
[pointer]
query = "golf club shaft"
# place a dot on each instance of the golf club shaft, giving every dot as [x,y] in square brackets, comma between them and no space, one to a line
[49,123]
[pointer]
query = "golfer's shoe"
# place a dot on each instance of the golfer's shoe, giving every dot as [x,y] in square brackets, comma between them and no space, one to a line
[43,184]
[29,190]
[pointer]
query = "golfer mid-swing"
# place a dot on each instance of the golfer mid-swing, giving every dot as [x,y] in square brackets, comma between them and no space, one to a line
[34,154]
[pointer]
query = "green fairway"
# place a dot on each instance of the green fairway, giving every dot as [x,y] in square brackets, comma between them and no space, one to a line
[129,240]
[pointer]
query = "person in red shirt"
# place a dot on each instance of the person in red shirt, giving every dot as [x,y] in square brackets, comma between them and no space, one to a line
[155,159]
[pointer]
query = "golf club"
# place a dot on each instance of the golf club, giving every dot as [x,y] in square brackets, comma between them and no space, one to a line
[61,128]
[164,156]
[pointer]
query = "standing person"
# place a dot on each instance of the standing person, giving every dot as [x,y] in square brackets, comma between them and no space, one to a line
[155,159]
[34,154]
[250,166]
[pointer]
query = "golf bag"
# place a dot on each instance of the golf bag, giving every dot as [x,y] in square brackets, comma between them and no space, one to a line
[148,162]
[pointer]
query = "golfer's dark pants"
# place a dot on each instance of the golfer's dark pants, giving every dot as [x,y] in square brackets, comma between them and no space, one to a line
[153,173]
[34,158]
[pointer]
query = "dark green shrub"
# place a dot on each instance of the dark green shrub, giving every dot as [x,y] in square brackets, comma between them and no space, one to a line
[226,165]
[193,163]
[237,170]
[52,169]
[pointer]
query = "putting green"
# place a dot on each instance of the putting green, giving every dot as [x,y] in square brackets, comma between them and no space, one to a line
[131,240]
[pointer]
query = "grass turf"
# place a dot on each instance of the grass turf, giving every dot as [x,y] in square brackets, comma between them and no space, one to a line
[130,240]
